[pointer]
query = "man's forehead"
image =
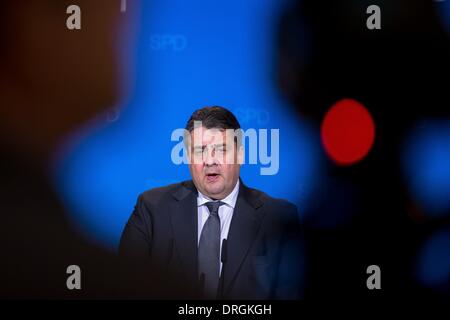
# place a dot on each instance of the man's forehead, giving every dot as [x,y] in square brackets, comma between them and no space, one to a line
[211,131]
[202,135]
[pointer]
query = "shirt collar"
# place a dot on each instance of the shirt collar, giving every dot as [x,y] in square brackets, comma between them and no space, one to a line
[229,200]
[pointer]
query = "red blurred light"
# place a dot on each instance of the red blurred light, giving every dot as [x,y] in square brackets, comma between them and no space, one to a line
[348,132]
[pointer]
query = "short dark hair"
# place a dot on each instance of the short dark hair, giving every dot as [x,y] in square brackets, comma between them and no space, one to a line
[213,117]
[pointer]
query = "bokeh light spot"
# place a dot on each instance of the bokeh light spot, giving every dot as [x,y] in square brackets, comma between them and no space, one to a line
[433,265]
[426,166]
[348,132]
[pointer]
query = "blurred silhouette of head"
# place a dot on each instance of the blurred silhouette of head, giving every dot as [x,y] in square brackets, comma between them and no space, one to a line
[326,53]
[53,79]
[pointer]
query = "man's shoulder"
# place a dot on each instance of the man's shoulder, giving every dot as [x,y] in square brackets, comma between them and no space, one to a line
[272,202]
[278,211]
[161,193]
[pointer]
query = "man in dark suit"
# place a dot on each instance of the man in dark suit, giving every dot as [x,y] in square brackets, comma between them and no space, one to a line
[214,236]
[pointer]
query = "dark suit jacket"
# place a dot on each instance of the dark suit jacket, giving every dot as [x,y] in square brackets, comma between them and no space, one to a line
[264,258]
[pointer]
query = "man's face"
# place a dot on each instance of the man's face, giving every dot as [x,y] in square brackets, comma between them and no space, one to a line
[214,161]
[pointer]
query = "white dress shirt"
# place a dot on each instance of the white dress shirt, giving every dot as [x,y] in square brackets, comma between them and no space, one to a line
[225,214]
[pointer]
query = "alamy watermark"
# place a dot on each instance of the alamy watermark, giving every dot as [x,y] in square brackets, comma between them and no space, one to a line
[228,147]
[123,5]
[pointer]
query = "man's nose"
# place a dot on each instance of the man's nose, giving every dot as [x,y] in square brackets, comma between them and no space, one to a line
[210,158]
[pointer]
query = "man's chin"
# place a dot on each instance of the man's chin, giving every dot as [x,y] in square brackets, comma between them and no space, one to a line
[214,193]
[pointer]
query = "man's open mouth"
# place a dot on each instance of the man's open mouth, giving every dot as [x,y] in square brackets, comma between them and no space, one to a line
[212,177]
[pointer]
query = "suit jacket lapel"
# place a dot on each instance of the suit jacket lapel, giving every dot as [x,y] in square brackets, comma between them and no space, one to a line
[184,221]
[243,230]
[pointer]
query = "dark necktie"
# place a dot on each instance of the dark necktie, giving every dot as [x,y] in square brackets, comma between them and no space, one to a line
[209,251]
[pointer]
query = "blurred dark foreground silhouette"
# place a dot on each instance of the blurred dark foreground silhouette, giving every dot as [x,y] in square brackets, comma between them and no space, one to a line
[326,53]
[52,81]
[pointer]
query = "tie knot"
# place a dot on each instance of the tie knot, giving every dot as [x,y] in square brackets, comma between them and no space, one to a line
[213,206]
